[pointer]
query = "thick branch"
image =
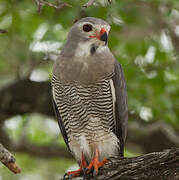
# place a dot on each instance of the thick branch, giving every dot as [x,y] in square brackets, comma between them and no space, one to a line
[154,166]
[157,165]
[8,160]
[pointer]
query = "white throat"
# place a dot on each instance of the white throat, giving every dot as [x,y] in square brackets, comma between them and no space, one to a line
[84,49]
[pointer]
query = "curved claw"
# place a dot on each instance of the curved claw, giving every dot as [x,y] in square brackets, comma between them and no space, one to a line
[80,171]
[85,170]
[65,176]
[70,175]
[95,175]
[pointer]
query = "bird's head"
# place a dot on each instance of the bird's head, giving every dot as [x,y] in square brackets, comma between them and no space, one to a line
[89,34]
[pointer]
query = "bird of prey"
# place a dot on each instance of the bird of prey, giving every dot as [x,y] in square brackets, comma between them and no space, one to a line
[89,96]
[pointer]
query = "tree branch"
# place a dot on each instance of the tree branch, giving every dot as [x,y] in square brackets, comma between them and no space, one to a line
[8,160]
[151,137]
[41,3]
[3,31]
[157,165]
[153,166]
[89,3]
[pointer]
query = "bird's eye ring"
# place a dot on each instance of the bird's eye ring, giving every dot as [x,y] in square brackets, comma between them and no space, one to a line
[87,27]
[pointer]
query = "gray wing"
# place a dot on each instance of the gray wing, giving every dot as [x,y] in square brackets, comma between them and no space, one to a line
[121,107]
[60,122]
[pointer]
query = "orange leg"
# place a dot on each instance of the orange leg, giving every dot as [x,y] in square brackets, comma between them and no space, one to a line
[72,174]
[95,163]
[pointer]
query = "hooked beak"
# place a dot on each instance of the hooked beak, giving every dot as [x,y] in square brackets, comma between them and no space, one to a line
[104,37]
[101,36]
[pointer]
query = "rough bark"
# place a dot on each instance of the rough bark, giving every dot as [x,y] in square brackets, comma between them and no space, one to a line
[8,160]
[158,165]
[153,166]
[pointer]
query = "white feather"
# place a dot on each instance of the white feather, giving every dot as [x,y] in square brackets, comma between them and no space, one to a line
[113,96]
[84,147]
[83,49]
[108,147]
[53,93]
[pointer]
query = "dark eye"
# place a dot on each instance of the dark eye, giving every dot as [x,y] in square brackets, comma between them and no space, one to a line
[87,27]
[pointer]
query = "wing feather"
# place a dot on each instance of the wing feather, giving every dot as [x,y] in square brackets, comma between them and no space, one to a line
[121,107]
[60,122]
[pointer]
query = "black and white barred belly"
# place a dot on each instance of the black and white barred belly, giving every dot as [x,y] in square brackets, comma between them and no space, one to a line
[85,109]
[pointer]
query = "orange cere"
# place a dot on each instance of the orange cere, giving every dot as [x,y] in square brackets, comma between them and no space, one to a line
[98,36]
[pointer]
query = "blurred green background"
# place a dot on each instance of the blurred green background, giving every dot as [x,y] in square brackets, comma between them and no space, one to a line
[144,38]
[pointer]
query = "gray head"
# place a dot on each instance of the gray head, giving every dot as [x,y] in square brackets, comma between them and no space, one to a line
[86,36]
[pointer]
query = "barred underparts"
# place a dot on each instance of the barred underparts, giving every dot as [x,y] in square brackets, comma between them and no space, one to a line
[86,111]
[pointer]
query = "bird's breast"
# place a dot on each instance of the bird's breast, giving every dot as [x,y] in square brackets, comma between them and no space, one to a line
[84,70]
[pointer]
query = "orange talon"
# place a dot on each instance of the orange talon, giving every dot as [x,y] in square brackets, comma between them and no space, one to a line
[95,162]
[72,174]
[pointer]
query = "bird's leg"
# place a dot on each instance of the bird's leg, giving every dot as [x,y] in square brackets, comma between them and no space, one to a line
[95,163]
[83,165]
